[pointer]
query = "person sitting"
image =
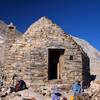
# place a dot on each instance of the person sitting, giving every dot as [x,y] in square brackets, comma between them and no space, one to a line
[20,85]
[56,94]
[76,88]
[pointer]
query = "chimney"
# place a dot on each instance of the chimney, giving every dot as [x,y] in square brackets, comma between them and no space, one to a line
[11,27]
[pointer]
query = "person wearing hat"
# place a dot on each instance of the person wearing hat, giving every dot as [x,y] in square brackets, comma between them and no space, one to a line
[76,88]
[56,94]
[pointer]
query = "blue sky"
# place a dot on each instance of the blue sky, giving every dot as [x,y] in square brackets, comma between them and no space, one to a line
[81,18]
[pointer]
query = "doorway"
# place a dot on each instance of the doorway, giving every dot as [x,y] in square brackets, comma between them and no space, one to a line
[54,63]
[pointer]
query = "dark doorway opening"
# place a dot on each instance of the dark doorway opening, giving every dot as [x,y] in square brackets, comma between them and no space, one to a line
[53,62]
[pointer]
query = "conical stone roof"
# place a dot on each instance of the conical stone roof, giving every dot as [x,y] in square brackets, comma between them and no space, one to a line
[38,33]
[43,23]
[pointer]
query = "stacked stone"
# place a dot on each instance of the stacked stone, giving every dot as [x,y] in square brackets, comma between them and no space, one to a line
[30,54]
[27,58]
[11,35]
[94,90]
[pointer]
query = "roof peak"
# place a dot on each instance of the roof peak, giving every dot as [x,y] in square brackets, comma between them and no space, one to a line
[11,24]
[43,19]
[41,22]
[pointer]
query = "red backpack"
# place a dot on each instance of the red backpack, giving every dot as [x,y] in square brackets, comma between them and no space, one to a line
[17,87]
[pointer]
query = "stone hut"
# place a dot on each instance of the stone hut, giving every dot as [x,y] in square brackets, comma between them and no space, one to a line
[8,35]
[45,54]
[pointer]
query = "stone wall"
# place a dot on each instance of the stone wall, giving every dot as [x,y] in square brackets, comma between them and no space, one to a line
[86,71]
[28,57]
[11,35]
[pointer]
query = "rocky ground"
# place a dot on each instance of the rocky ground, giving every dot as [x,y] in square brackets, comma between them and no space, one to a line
[92,93]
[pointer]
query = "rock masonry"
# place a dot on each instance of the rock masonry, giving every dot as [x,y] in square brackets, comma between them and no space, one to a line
[27,56]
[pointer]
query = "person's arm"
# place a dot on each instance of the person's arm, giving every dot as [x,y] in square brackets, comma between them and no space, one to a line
[79,88]
[72,87]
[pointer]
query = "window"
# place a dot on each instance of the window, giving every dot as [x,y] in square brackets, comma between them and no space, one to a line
[71,57]
[11,27]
